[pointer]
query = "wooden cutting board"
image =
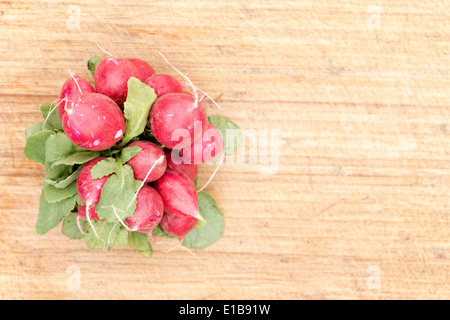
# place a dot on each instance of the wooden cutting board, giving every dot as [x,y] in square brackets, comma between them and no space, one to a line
[358,92]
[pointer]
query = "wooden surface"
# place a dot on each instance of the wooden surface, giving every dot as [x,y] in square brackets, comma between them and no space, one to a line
[361,101]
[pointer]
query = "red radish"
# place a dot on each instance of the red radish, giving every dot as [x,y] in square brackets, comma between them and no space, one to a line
[204,149]
[177,226]
[177,114]
[145,70]
[164,84]
[178,194]
[175,162]
[89,189]
[149,211]
[72,89]
[145,159]
[94,122]
[111,78]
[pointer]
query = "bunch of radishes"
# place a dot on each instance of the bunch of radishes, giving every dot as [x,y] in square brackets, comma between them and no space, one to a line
[121,158]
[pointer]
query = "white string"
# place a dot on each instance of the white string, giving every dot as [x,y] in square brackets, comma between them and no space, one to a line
[185,77]
[88,216]
[178,245]
[160,159]
[50,112]
[207,95]
[105,248]
[79,224]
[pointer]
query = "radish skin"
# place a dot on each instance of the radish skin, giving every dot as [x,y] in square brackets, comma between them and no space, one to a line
[175,162]
[164,84]
[149,211]
[144,160]
[145,70]
[177,226]
[178,194]
[111,78]
[204,149]
[89,189]
[94,122]
[177,112]
[72,89]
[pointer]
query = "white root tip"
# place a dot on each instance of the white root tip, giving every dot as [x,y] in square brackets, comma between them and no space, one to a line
[190,84]
[79,224]
[199,217]
[76,81]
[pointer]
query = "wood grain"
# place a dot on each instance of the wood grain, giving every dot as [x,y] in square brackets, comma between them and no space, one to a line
[362,107]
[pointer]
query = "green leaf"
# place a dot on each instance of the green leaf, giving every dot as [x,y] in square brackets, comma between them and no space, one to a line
[117,198]
[78,201]
[53,194]
[129,153]
[206,234]
[231,134]
[93,63]
[140,98]
[140,242]
[51,117]
[105,168]
[159,232]
[36,146]
[78,158]
[109,235]
[33,129]
[70,227]
[51,214]
[64,183]
[196,182]
[59,147]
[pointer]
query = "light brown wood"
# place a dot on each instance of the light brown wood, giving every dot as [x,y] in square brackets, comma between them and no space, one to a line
[360,96]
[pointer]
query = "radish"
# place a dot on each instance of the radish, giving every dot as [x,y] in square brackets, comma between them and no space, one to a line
[82,214]
[178,194]
[177,226]
[111,77]
[175,114]
[89,189]
[145,159]
[94,122]
[175,162]
[148,213]
[204,149]
[145,70]
[73,88]
[164,84]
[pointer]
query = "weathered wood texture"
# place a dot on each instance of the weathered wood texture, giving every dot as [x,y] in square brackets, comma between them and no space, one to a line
[359,94]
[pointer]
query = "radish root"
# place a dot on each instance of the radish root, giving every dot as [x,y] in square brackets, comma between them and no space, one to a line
[76,81]
[104,51]
[214,173]
[178,245]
